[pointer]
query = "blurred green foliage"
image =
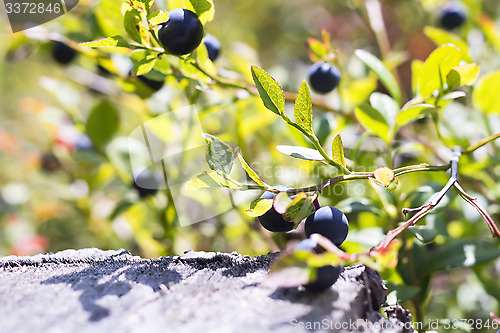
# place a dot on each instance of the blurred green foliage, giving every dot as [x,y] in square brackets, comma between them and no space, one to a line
[448,265]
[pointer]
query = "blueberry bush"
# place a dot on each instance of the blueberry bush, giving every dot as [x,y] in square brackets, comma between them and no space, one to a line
[388,160]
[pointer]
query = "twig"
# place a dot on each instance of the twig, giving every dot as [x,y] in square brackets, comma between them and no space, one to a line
[481,143]
[484,214]
[423,210]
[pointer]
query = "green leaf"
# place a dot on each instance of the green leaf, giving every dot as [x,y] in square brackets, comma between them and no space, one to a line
[205,9]
[358,205]
[115,41]
[102,123]
[402,292]
[462,253]
[300,152]
[373,121]
[436,68]
[157,17]
[442,37]
[316,49]
[338,151]
[251,173]
[462,75]
[212,179]
[300,208]
[219,155]
[259,207]
[485,96]
[269,90]
[414,112]
[131,21]
[386,106]
[384,75]
[144,66]
[423,233]
[303,108]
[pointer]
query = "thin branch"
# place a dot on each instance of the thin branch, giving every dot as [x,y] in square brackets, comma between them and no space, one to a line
[484,214]
[481,143]
[423,210]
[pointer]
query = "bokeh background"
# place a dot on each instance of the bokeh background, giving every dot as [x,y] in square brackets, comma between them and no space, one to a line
[56,194]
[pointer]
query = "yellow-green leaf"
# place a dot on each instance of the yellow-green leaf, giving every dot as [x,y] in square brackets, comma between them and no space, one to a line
[157,17]
[316,49]
[485,96]
[212,179]
[205,9]
[465,74]
[251,173]
[436,68]
[144,66]
[442,37]
[269,90]
[115,41]
[259,207]
[338,151]
[303,108]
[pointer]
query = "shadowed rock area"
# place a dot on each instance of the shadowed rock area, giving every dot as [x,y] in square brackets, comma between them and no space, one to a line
[91,290]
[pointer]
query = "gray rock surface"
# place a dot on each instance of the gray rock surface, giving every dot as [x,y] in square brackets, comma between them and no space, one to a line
[112,291]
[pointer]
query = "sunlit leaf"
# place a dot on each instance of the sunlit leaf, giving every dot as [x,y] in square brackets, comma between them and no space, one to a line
[338,151]
[250,172]
[144,66]
[414,112]
[157,17]
[219,155]
[303,108]
[436,68]
[259,207]
[316,49]
[301,207]
[115,41]
[485,96]
[205,9]
[465,74]
[212,179]
[442,37]
[269,90]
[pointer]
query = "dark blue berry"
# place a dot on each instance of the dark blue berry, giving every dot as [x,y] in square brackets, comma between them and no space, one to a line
[62,53]
[213,46]
[452,17]
[272,220]
[182,33]
[329,222]
[323,77]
